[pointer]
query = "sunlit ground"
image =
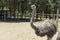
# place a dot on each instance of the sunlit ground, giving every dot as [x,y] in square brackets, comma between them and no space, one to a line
[20,31]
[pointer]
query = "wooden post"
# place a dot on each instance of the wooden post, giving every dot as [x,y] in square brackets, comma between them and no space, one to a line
[57,17]
[42,15]
[5,12]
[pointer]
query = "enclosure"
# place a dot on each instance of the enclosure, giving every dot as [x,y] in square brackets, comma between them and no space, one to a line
[15,18]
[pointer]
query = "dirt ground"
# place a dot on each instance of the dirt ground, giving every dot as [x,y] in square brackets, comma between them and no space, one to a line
[18,31]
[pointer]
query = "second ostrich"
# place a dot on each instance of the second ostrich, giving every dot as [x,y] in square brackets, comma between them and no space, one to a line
[47,27]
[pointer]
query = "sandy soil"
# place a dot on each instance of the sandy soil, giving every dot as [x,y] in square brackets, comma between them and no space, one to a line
[18,31]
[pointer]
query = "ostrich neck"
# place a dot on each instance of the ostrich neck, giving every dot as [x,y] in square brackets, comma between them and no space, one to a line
[32,19]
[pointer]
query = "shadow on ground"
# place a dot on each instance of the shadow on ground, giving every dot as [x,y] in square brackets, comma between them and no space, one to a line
[17,20]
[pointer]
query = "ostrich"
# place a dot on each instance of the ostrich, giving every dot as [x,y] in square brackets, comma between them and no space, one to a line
[47,27]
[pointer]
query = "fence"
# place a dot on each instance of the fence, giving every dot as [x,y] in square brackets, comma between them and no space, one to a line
[6,15]
[45,16]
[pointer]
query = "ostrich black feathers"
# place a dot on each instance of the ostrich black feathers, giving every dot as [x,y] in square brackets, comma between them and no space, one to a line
[49,30]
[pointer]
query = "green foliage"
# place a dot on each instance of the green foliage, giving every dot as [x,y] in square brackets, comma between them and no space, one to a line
[22,6]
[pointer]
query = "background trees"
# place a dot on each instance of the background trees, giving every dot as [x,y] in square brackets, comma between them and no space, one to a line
[23,6]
